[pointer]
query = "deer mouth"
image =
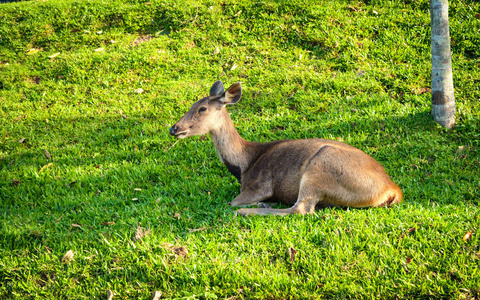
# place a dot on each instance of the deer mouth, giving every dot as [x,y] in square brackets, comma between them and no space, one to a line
[181,135]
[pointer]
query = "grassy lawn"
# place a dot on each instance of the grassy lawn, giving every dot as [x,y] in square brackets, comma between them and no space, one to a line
[88,90]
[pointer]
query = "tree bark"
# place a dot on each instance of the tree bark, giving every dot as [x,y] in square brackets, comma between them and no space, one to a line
[443,96]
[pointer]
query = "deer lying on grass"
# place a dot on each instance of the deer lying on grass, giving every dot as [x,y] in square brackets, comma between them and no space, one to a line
[308,174]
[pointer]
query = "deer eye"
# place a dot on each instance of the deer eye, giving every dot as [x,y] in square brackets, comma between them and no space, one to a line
[202,109]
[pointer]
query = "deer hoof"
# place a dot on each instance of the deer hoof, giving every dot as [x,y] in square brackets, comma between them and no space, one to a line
[244,212]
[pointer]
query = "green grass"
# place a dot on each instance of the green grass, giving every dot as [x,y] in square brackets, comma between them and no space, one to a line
[350,71]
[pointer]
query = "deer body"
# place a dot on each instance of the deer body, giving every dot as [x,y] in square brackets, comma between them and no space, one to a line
[306,174]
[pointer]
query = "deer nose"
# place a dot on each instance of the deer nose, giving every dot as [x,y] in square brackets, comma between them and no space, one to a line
[174,130]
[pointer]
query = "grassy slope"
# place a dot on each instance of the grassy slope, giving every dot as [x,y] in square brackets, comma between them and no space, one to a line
[351,72]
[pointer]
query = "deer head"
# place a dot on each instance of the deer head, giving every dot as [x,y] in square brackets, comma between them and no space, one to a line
[207,114]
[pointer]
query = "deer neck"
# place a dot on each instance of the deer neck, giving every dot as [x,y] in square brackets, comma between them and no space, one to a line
[231,147]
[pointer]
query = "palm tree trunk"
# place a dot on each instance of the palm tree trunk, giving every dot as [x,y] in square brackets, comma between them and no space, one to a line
[443,96]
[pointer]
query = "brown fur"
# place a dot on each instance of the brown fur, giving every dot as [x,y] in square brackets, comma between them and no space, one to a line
[306,174]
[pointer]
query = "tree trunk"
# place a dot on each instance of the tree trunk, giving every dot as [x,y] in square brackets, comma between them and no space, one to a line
[443,96]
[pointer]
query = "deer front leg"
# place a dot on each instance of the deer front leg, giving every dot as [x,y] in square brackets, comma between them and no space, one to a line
[251,196]
[301,207]
[311,192]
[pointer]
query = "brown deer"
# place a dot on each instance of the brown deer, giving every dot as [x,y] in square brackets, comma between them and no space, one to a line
[308,174]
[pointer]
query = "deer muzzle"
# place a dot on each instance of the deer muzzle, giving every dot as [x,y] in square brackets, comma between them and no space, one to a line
[174,130]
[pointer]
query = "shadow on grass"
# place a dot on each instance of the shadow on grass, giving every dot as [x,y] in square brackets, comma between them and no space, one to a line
[183,188]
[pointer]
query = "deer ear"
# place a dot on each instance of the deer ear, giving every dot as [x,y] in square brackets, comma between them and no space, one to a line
[217,89]
[232,94]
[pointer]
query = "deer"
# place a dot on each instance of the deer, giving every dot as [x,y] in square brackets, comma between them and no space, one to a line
[303,174]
